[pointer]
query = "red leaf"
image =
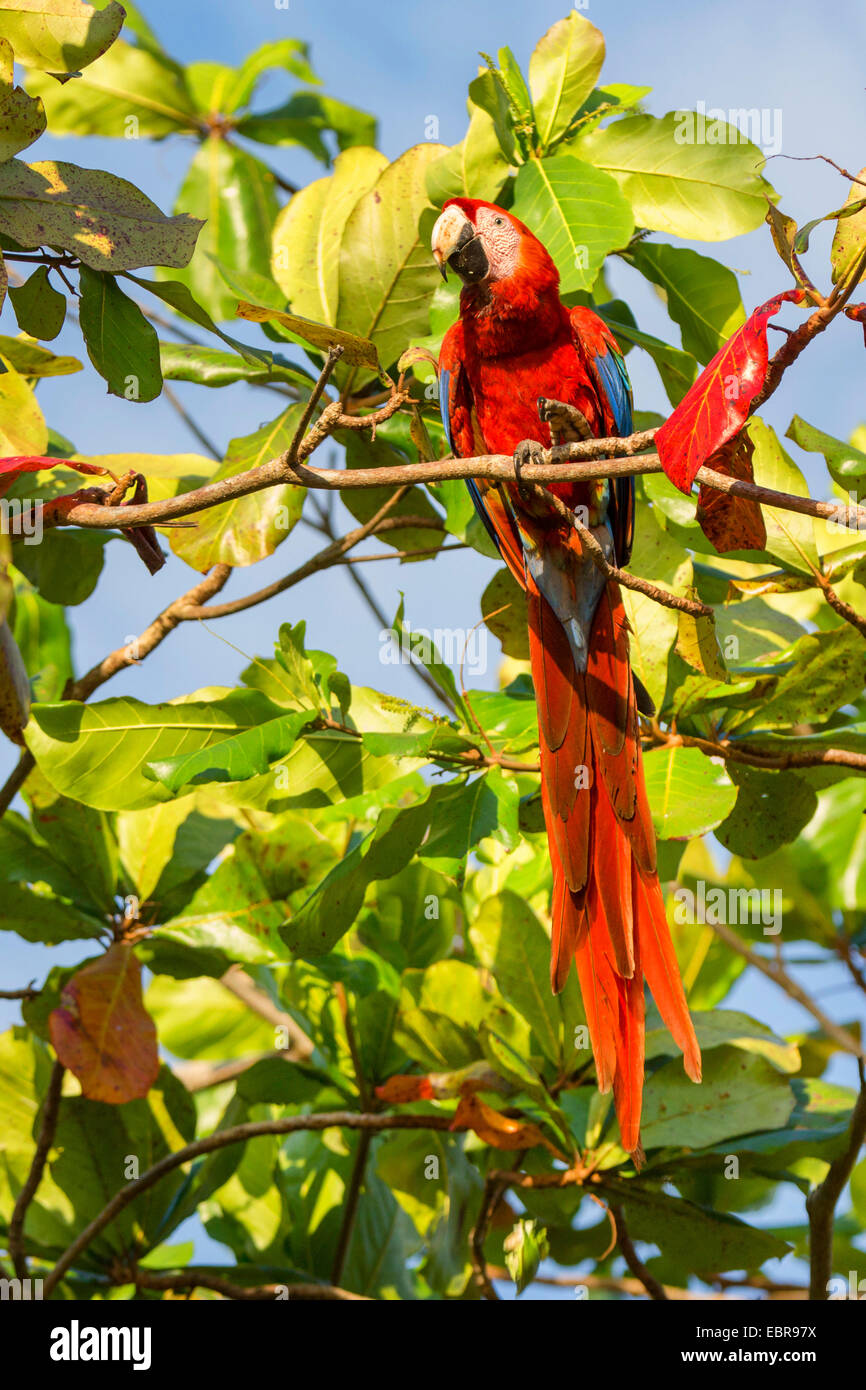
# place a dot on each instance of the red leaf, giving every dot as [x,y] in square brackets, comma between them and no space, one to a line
[857,312]
[717,405]
[732,523]
[102,1031]
[400,1090]
[16,464]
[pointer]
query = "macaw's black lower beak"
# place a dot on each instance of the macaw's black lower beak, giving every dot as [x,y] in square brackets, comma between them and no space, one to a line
[469,260]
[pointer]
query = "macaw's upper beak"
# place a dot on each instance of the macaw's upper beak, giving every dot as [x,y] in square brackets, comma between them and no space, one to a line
[456,244]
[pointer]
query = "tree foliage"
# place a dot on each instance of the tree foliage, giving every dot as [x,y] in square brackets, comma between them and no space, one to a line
[336,902]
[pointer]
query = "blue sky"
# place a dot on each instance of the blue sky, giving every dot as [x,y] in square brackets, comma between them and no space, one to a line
[405,62]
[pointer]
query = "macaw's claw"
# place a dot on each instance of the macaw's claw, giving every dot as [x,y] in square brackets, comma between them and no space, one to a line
[527,451]
[567,423]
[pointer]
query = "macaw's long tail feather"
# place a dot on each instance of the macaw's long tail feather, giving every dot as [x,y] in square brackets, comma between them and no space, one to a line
[608,911]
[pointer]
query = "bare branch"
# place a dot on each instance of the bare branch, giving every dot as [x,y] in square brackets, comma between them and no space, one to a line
[221,1139]
[777,973]
[821,1202]
[50,1110]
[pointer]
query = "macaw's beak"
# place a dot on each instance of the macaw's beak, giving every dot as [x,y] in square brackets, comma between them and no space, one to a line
[456,244]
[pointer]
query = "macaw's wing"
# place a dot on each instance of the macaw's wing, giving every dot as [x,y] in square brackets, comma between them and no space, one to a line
[463,433]
[606,366]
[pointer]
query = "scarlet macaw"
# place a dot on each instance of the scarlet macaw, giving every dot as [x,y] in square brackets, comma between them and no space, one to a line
[512,365]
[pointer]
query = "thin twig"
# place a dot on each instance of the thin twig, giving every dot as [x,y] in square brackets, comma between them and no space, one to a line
[194,428]
[191,1279]
[238,1134]
[50,1110]
[821,1202]
[239,983]
[777,973]
[16,779]
[633,1260]
[628,581]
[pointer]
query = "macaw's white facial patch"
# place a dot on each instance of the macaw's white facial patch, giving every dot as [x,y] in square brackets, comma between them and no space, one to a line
[501,241]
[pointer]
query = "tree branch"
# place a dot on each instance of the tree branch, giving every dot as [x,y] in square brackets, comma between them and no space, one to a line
[192,1279]
[565,463]
[633,1260]
[777,973]
[821,1203]
[50,1110]
[221,1139]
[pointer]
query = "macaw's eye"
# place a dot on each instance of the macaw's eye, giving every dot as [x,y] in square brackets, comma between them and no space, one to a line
[498,221]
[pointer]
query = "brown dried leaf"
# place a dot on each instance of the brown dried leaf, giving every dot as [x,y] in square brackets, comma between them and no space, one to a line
[732,523]
[102,1031]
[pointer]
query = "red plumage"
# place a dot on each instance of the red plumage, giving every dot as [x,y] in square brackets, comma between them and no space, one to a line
[516,342]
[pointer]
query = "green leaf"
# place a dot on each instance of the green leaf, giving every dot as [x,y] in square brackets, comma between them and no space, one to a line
[121,344]
[701,295]
[201,1020]
[577,211]
[44,918]
[698,1239]
[66,565]
[436,1041]
[421,646]
[676,369]
[59,36]
[129,93]
[234,759]
[30,359]
[214,367]
[387,275]
[302,119]
[165,849]
[319,335]
[43,639]
[291,55]
[476,168]
[503,605]
[96,753]
[246,529]
[771,810]
[726,1028]
[233,912]
[364,503]
[677,184]
[688,793]
[654,628]
[308,232]
[24,1071]
[93,1143]
[80,837]
[828,671]
[738,1094]
[328,914]
[236,194]
[511,942]
[847,464]
[525,1247]
[790,535]
[563,70]
[849,239]
[39,308]
[105,221]
[22,424]
[178,297]
[831,852]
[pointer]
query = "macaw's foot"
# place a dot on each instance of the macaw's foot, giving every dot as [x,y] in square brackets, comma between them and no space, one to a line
[527,451]
[567,423]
